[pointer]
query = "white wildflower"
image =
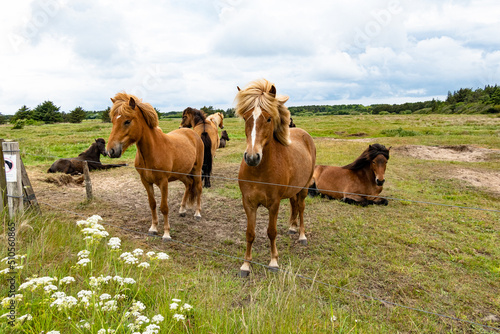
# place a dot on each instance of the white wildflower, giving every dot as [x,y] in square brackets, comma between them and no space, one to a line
[19,267]
[152,329]
[101,331]
[137,306]
[129,280]
[58,294]
[5,271]
[94,219]
[26,317]
[176,300]
[174,306]
[66,280]
[84,324]
[137,252]
[142,319]
[33,283]
[83,262]
[179,317]
[118,279]
[119,296]
[99,281]
[50,288]
[105,296]
[157,319]
[162,256]
[110,306]
[83,254]
[143,265]
[129,258]
[114,243]
[186,307]
[64,303]
[333,318]
[54,332]
[150,254]
[85,293]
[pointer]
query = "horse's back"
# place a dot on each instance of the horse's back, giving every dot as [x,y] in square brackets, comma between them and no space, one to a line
[303,147]
[187,145]
[333,178]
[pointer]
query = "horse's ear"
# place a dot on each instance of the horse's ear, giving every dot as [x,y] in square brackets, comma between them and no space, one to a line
[239,90]
[113,100]
[272,91]
[131,103]
[369,147]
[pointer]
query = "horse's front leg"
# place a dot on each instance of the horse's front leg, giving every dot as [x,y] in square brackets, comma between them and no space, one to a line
[272,232]
[381,201]
[152,205]
[251,212]
[164,210]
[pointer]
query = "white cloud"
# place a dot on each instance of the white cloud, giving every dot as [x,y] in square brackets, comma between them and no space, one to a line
[193,53]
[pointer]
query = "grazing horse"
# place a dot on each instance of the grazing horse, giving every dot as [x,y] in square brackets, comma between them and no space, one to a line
[196,119]
[92,155]
[360,182]
[160,158]
[278,163]
[223,139]
[217,119]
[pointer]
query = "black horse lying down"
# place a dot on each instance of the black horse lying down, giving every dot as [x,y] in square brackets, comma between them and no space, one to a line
[92,155]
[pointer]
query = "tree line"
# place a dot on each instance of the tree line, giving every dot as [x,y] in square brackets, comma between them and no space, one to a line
[465,100]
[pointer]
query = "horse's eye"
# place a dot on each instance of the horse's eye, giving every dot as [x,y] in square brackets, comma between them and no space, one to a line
[127,122]
[269,120]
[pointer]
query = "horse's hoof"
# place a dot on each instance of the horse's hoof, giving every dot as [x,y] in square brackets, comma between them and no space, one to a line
[274,269]
[244,273]
[303,242]
[153,233]
[197,217]
[166,239]
[182,214]
[290,231]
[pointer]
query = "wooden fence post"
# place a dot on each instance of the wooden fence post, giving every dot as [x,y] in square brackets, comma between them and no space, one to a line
[12,165]
[3,182]
[29,193]
[88,182]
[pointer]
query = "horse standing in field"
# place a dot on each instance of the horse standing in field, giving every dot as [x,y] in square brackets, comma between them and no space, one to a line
[196,119]
[359,182]
[224,138]
[92,156]
[217,119]
[278,163]
[160,158]
[292,124]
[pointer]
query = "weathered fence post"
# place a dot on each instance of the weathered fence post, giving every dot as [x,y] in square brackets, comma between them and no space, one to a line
[29,193]
[88,182]
[3,182]
[12,165]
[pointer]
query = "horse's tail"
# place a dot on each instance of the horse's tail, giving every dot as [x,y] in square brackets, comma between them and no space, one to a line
[207,159]
[193,192]
[313,190]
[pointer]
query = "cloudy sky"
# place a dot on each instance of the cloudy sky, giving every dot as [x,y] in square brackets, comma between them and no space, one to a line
[176,54]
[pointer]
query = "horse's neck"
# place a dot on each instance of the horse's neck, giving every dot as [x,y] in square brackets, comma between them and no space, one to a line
[91,154]
[150,139]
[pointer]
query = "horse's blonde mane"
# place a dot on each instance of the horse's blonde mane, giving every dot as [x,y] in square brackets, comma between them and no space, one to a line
[121,107]
[258,95]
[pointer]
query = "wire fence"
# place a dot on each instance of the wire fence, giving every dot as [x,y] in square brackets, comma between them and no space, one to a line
[312,279]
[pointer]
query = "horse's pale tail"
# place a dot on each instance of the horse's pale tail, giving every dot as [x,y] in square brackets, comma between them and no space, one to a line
[207,159]
[313,190]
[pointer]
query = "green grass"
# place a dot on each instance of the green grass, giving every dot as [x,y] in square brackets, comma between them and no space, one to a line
[436,258]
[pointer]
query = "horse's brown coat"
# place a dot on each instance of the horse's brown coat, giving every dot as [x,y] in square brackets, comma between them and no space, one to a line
[160,158]
[280,162]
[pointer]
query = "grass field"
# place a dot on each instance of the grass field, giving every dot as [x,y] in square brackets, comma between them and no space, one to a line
[441,259]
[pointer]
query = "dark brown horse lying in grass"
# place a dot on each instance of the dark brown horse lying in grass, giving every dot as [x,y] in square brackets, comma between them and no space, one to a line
[92,155]
[224,138]
[360,182]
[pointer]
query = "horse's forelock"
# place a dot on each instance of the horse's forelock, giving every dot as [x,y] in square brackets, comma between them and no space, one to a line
[121,107]
[256,96]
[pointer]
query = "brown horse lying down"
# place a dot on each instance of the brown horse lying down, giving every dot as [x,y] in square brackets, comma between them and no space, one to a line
[92,155]
[364,176]
[207,130]
[223,139]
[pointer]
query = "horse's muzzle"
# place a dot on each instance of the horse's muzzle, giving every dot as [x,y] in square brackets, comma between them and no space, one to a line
[115,152]
[379,183]
[252,160]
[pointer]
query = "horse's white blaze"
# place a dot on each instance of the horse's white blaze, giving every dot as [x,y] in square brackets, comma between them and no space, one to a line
[256,114]
[118,116]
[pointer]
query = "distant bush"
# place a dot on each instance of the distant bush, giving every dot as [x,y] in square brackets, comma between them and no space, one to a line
[399,132]
[19,124]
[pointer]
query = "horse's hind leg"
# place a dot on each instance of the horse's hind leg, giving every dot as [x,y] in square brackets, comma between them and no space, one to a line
[294,206]
[187,183]
[301,203]
[152,205]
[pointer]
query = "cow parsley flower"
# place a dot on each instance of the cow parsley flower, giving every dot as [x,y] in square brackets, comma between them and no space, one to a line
[66,280]
[129,258]
[26,317]
[143,265]
[174,306]
[179,317]
[83,254]
[114,243]
[105,296]
[157,319]
[152,329]
[186,307]
[64,302]
[137,252]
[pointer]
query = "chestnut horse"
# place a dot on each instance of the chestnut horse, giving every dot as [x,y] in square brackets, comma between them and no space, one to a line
[278,163]
[224,138]
[364,176]
[196,119]
[92,156]
[160,158]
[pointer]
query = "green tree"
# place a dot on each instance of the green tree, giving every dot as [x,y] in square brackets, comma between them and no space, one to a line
[105,115]
[23,113]
[77,115]
[47,112]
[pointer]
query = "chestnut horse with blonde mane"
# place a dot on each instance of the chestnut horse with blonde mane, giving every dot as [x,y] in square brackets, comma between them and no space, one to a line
[359,182]
[160,158]
[197,120]
[217,119]
[278,163]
